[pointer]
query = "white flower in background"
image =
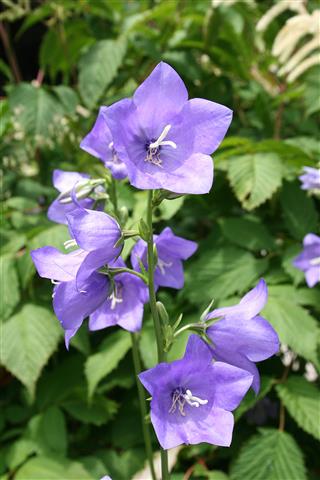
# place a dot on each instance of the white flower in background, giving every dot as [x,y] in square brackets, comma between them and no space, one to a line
[311,373]
[297,44]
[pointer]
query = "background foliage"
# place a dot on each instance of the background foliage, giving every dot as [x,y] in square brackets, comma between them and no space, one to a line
[74,415]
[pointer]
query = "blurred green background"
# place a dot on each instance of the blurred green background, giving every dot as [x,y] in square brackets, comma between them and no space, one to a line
[74,415]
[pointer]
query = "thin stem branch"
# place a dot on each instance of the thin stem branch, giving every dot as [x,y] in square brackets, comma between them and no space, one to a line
[155,316]
[114,196]
[142,403]
[128,270]
[282,417]
[10,53]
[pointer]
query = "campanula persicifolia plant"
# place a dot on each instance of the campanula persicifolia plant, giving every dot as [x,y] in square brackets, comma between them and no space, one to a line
[162,142]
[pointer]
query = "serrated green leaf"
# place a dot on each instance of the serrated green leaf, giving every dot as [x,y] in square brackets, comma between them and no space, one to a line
[299,212]
[302,400]
[98,67]
[9,287]
[37,109]
[99,365]
[247,233]
[54,236]
[294,325]
[28,340]
[223,272]
[270,455]
[255,177]
[48,432]
[53,468]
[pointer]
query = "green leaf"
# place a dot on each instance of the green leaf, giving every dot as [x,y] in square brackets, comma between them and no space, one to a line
[98,67]
[38,110]
[270,455]
[9,288]
[19,451]
[98,412]
[54,236]
[48,431]
[123,466]
[29,339]
[299,212]
[302,400]
[99,365]
[68,98]
[223,272]
[255,178]
[53,468]
[294,325]
[248,233]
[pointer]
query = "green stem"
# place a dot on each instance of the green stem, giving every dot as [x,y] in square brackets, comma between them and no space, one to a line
[127,270]
[143,406]
[114,196]
[155,316]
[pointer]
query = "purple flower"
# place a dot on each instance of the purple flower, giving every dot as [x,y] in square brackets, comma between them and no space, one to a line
[242,337]
[192,398]
[164,139]
[171,251]
[99,143]
[124,305]
[310,179]
[309,259]
[64,182]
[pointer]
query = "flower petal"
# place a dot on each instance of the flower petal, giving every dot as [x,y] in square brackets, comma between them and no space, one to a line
[94,230]
[250,305]
[72,307]
[170,274]
[175,246]
[311,239]
[159,98]
[64,181]
[313,276]
[208,122]
[197,350]
[57,211]
[51,263]
[97,141]
[230,385]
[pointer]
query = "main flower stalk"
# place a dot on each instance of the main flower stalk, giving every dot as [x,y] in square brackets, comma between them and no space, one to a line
[155,314]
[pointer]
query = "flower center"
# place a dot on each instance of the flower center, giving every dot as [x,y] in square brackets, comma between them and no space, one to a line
[315,261]
[115,157]
[153,149]
[163,265]
[116,296]
[180,397]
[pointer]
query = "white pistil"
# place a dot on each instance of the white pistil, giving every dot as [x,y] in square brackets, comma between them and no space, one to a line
[180,399]
[315,261]
[70,243]
[116,297]
[153,152]
[162,266]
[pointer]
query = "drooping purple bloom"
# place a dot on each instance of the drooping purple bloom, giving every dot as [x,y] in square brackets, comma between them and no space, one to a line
[242,337]
[310,179]
[98,142]
[309,259]
[124,305]
[65,182]
[171,251]
[164,139]
[192,398]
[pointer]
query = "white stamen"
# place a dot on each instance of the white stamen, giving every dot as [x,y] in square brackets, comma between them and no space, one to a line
[193,400]
[55,282]
[315,261]
[153,152]
[180,399]
[110,146]
[162,265]
[162,136]
[70,243]
[115,158]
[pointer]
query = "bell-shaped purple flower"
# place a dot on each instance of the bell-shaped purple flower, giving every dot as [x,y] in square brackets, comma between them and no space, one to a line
[309,259]
[171,251]
[310,179]
[98,142]
[164,139]
[192,398]
[242,337]
[65,182]
[124,305]
[95,233]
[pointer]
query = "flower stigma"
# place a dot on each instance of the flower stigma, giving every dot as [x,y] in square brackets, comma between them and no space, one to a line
[116,296]
[180,397]
[153,149]
[315,261]
[70,243]
[163,265]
